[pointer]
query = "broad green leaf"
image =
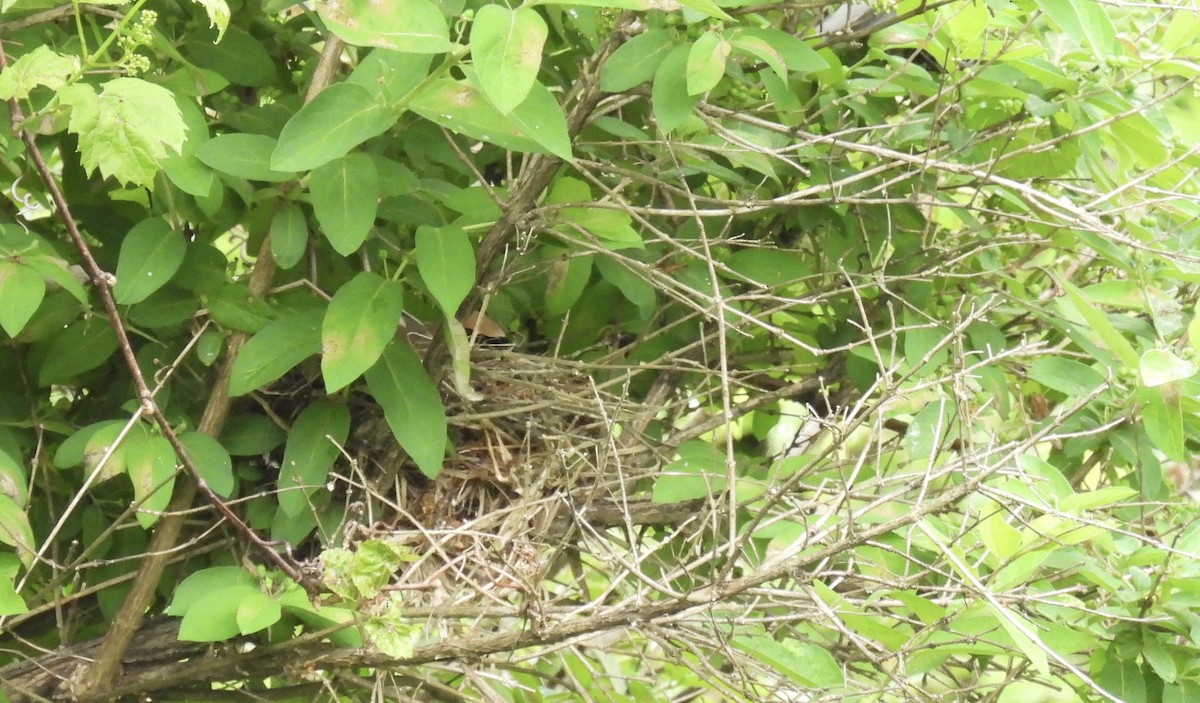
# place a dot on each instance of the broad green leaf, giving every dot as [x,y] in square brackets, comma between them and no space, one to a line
[461,108]
[1163,420]
[636,61]
[243,156]
[13,478]
[706,63]
[447,265]
[127,130]
[150,463]
[214,615]
[390,74]
[1083,21]
[920,340]
[506,50]
[761,50]
[345,198]
[15,530]
[42,66]
[1019,570]
[1017,626]
[705,7]
[1099,324]
[669,98]
[411,405]
[79,348]
[150,255]
[929,429]
[251,435]
[1161,366]
[998,536]
[289,235]
[54,269]
[611,226]
[410,26]
[256,612]
[238,57]
[338,119]
[541,118]
[235,307]
[699,471]
[11,602]
[362,318]
[798,55]
[198,583]
[274,350]
[565,283]
[22,290]
[314,443]
[635,288]
[1067,376]
[211,460]
[769,266]
[803,662]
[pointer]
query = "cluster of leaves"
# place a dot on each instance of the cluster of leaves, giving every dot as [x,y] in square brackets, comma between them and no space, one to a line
[916,312]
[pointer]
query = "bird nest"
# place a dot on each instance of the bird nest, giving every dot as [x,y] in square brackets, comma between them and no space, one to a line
[541,444]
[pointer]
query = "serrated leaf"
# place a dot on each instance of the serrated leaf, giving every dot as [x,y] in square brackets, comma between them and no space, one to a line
[242,156]
[128,130]
[211,460]
[362,318]
[446,262]
[506,50]
[39,67]
[636,61]
[313,444]
[22,290]
[338,119]
[150,255]
[706,63]
[345,198]
[411,405]
[410,26]
[289,235]
[274,350]
[150,463]
[218,14]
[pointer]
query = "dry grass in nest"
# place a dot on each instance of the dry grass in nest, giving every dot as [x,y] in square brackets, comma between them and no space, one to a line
[536,449]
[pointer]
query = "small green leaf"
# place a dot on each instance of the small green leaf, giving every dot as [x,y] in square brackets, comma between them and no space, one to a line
[42,66]
[150,255]
[1161,366]
[22,290]
[463,109]
[636,61]
[242,156]
[251,435]
[411,405]
[81,347]
[706,63]
[1099,325]
[15,530]
[345,198]
[213,617]
[338,119]
[805,663]
[238,57]
[289,235]
[698,472]
[669,98]
[506,47]
[11,602]
[257,612]
[274,350]
[635,288]
[314,443]
[1000,537]
[541,118]
[447,265]
[211,460]
[128,130]
[362,318]
[218,14]
[1067,376]
[410,26]
[390,75]
[150,463]
[612,226]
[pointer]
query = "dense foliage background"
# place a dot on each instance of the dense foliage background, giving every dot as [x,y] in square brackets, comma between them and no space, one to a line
[614,350]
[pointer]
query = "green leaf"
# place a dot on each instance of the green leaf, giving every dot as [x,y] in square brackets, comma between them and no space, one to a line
[150,255]
[242,156]
[461,108]
[204,581]
[150,463]
[289,235]
[42,66]
[257,612]
[274,350]
[1099,325]
[636,61]
[669,98]
[218,14]
[22,290]
[251,435]
[390,74]
[15,530]
[362,318]
[1083,20]
[636,289]
[81,347]
[1161,366]
[1163,420]
[699,471]
[506,47]
[214,615]
[541,119]
[1073,378]
[805,663]
[998,536]
[211,460]
[447,265]
[313,444]
[127,131]
[612,226]
[338,119]
[565,283]
[345,198]
[11,602]
[706,63]
[238,57]
[411,405]
[705,7]
[410,26]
